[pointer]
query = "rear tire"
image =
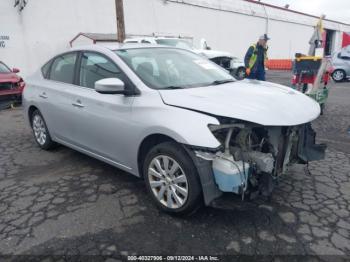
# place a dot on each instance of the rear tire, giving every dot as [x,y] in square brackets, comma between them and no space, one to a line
[339,75]
[41,133]
[172,180]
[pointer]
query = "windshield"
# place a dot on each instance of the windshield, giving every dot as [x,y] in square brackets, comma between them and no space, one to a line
[175,43]
[4,68]
[171,68]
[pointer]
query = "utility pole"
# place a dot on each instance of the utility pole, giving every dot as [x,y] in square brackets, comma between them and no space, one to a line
[119,9]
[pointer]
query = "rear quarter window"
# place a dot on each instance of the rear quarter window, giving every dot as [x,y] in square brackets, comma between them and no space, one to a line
[45,69]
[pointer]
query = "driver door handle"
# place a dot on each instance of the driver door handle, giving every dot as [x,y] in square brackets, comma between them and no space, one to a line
[43,95]
[78,104]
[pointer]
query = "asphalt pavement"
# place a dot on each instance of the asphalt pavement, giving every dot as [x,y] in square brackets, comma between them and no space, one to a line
[67,204]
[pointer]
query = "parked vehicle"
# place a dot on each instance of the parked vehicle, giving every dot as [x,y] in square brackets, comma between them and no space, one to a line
[11,86]
[341,66]
[234,65]
[174,118]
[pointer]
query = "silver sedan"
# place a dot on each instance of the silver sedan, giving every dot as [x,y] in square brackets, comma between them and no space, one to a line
[176,119]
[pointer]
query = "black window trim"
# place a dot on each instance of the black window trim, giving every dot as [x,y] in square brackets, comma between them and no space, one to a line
[46,76]
[134,91]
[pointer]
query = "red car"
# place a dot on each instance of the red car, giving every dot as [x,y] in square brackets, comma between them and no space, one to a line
[11,86]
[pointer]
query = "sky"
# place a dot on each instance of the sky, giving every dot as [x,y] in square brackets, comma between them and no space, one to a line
[338,10]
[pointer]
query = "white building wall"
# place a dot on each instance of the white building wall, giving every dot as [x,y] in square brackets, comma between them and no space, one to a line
[223,31]
[288,39]
[227,25]
[12,51]
[45,28]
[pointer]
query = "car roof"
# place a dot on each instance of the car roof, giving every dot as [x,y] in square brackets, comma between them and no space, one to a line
[118,46]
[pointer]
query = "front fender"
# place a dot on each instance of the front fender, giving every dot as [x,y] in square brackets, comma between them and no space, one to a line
[150,115]
[194,132]
[184,126]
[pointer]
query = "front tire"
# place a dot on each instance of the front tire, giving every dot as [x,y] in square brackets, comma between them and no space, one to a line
[338,75]
[172,179]
[40,131]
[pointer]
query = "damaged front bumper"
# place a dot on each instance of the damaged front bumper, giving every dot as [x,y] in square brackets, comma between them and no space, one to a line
[252,157]
[308,150]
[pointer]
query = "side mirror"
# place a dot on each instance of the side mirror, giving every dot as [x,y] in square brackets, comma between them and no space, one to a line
[110,86]
[15,70]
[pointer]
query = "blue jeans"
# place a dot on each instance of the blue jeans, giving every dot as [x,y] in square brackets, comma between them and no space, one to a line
[258,74]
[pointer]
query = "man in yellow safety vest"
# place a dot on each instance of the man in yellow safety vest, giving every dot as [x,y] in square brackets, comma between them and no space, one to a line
[255,59]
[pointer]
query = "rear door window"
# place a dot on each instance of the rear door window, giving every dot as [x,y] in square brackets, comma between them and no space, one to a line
[63,67]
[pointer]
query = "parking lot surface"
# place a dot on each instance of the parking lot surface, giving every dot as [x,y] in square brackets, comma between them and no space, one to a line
[65,203]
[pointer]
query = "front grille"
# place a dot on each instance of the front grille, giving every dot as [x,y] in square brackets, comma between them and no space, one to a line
[6,86]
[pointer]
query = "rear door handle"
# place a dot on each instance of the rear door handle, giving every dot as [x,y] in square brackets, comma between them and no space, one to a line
[78,104]
[43,95]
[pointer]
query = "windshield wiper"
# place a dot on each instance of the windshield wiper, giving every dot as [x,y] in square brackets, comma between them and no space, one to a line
[220,82]
[172,87]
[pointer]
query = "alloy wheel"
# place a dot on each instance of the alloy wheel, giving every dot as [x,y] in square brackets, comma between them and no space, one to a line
[168,181]
[39,129]
[338,75]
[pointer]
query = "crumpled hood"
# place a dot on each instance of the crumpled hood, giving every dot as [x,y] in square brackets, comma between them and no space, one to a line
[259,102]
